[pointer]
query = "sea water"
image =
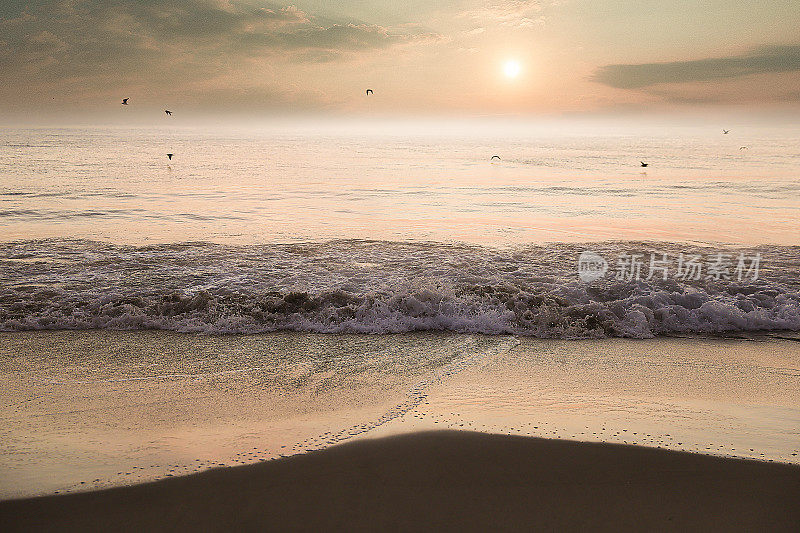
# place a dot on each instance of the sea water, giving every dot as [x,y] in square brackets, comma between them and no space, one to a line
[553,183]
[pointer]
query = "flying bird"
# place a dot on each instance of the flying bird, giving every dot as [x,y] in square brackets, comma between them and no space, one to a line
[495,157]
[725,132]
[369,92]
[170,156]
[124,101]
[743,148]
[168,112]
[643,163]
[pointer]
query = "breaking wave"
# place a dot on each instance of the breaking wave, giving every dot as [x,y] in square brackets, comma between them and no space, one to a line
[382,287]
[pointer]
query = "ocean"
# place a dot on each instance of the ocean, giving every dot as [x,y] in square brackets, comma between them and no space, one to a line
[249,231]
[271,290]
[553,183]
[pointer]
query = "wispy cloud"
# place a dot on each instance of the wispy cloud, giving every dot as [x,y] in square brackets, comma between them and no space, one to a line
[506,13]
[773,59]
[760,91]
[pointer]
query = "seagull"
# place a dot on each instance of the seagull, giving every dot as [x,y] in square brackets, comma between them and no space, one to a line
[369,92]
[495,157]
[170,156]
[168,112]
[725,132]
[124,101]
[643,163]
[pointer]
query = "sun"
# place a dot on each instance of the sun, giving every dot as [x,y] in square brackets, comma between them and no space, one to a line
[511,68]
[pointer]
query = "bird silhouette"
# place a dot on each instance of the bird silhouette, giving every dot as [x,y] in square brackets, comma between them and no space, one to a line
[168,112]
[169,156]
[743,148]
[124,101]
[369,92]
[643,163]
[495,157]
[725,132]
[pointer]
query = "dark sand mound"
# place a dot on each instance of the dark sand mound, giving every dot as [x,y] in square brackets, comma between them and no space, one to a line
[445,480]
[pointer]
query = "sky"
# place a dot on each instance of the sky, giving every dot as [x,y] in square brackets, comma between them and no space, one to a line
[419,57]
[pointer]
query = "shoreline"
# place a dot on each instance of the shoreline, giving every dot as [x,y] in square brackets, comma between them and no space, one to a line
[446,480]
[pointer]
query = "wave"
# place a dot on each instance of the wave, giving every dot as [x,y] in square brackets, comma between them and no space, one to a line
[383,287]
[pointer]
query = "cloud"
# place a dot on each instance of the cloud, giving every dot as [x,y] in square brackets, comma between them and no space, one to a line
[507,13]
[758,89]
[773,59]
[85,44]
[336,38]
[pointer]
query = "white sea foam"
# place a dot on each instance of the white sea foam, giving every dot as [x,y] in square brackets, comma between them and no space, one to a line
[379,287]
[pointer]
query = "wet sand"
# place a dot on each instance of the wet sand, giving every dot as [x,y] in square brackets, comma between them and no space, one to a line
[99,409]
[448,481]
[86,410]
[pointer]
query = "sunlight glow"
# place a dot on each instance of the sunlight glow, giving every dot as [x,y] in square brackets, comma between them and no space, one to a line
[512,68]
